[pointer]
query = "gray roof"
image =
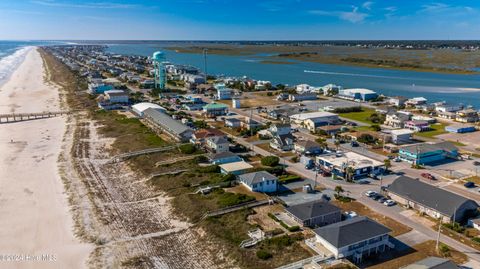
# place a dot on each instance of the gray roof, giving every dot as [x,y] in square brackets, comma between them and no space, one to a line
[256,177]
[312,209]
[351,231]
[432,263]
[307,144]
[218,140]
[164,120]
[282,139]
[430,196]
[425,147]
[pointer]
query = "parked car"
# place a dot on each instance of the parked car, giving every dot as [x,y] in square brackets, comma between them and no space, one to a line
[370,193]
[326,174]
[469,185]
[476,163]
[377,197]
[382,200]
[389,203]
[428,176]
[354,144]
[363,181]
[397,159]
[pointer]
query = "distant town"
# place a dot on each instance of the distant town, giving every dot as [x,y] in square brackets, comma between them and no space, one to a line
[287,176]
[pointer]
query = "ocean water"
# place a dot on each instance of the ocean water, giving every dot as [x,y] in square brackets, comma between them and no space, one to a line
[454,88]
[12,54]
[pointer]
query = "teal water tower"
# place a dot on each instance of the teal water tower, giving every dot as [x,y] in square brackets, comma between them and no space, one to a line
[158,59]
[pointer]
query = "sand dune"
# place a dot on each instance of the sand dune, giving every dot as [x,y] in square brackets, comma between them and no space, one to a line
[34,211]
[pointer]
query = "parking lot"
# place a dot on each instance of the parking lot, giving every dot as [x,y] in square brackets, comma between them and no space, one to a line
[471,140]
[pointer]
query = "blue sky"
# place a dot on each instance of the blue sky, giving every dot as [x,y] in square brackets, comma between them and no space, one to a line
[239,19]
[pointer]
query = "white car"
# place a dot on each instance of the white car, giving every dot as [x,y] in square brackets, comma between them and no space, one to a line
[389,203]
[370,193]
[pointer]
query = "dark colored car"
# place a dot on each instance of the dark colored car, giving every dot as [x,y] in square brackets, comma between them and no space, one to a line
[469,185]
[354,144]
[428,176]
[476,163]
[326,174]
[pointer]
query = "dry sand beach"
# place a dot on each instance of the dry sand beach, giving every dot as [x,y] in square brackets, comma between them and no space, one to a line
[34,210]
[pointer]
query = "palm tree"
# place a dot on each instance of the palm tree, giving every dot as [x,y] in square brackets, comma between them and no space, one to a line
[349,171]
[338,190]
[387,163]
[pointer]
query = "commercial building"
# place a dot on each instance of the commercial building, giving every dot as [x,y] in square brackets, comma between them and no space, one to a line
[261,181]
[340,164]
[314,214]
[428,153]
[215,109]
[141,107]
[430,200]
[358,94]
[302,97]
[325,117]
[354,238]
[163,123]
[460,129]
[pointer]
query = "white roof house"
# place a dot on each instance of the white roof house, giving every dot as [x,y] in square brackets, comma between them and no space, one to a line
[235,168]
[351,159]
[141,107]
[298,118]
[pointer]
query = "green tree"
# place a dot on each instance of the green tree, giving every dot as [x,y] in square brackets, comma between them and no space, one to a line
[337,144]
[349,172]
[339,190]
[270,161]
[387,163]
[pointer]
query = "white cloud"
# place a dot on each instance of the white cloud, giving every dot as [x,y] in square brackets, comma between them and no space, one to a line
[353,16]
[367,5]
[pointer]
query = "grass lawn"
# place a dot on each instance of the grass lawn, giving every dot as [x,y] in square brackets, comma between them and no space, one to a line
[474,179]
[456,143]
[362,116]
[397,259]
[396,227]
[437,129]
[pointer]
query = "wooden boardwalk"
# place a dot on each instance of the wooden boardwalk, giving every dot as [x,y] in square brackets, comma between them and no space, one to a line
[16,117]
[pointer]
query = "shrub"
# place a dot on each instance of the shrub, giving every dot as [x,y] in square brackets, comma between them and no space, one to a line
[272,216]
[201,159]
[288,178]
[270,161]
[228,177]
[444,250]
[263,254]
[295,159]
[348,109]
[476,240]
[208,169]
[454,227]
[231,199]
[293,228]
[187,148]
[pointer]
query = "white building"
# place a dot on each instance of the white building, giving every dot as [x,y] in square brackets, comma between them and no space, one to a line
[261,181]
[325,116]
[362,166]
[401,136]
[223,93]
[416,101]
[357,94]
[141,107]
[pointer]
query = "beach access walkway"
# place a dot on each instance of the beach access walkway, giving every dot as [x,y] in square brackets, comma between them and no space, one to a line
[16,117]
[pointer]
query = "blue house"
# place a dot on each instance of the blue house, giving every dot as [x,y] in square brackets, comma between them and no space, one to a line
[428,153]
[224,157]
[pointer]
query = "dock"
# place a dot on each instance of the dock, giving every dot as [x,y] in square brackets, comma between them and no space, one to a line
[16,117]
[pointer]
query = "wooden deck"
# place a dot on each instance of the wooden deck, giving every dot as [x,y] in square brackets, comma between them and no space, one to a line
[16,117]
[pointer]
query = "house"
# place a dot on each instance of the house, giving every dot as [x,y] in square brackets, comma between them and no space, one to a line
[99,88]
[460,129]
[305,88]
[261,181]
[302,97]
[325,118]
[314,214]
[397,100]
[340,164]
[233,123]
[416,101]
[428,199]
[235,168]
[428,119]
[446,107]
[428,153]
[249,123]
[432,263]
[163,123]
[215,109]
[282,142]
[116,96]
[224,157]
[401,136]
[417,125]
[223,93]
[397,119]
[217,144]
[331,129]
[200,136]
[139,108]
[447,115]
[466,115]
[279,129]
[358,94]
[354,238]
[331,89]
[307,147]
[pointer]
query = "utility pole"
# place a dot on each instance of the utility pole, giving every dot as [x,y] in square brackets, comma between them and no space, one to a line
[438,233]
[205,63]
